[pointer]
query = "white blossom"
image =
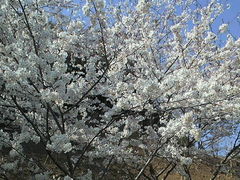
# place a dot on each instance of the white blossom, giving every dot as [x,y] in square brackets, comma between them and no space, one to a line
[223,28]
[42,176]
[186,160]
[60,143]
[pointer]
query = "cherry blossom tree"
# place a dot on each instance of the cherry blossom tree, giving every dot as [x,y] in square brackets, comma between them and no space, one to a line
[97,84]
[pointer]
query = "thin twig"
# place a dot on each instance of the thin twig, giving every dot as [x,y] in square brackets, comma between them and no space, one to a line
[150,159]
[29,27]
[169,171]
[224,161]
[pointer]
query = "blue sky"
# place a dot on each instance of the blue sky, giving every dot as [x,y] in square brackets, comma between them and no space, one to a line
[230,17]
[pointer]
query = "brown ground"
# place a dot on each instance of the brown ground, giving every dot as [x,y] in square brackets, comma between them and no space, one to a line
[198,170]
[204,170]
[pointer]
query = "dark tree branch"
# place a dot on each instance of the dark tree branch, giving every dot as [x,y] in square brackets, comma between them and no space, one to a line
[150,159]
[29,27]
[162,171]
[90,142]
[169,171]
[225,160]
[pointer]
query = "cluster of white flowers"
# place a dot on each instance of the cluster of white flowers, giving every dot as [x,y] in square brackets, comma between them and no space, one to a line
[143,5]
[223,28]
[60,143]
[10,166]
[42,176]
[186,160]
[49,96]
